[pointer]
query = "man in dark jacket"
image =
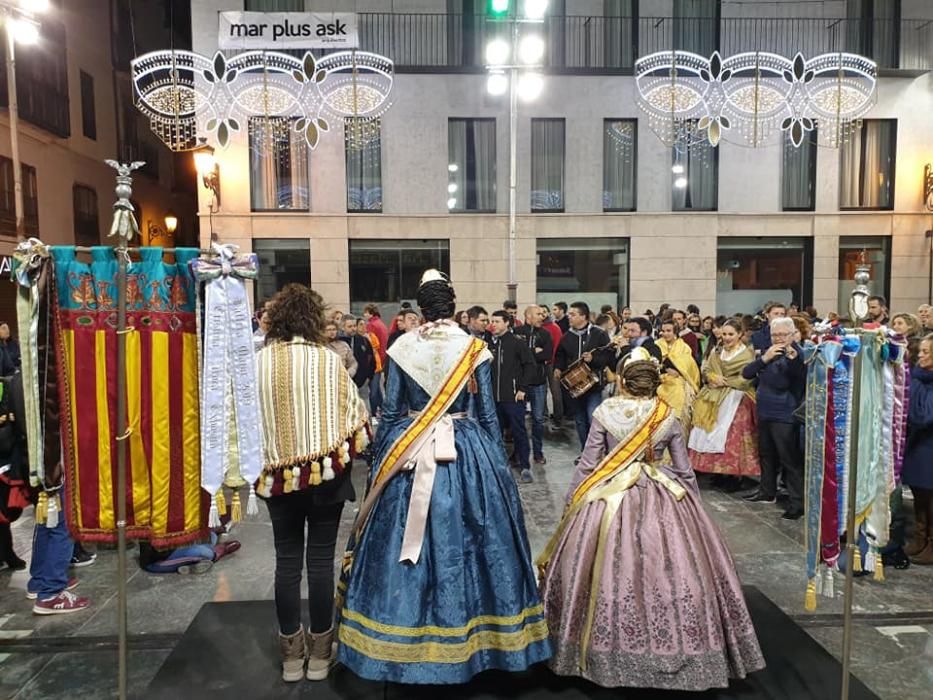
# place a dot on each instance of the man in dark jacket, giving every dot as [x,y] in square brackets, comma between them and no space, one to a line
[513,366]
[761,339]
[636,334]
[362,351]
[541,346]
[560,316]
[781,377]
[591,344]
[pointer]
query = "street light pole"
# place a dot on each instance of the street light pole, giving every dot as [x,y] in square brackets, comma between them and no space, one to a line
[14,131]
[512,286]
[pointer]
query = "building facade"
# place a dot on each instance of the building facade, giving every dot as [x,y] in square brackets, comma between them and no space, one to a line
[599,215]
[75,105]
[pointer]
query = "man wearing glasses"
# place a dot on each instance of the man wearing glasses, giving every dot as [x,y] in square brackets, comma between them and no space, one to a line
[780,375]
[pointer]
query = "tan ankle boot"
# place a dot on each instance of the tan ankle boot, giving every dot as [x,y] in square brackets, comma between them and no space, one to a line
[918,540]
[294,653]
[321,654]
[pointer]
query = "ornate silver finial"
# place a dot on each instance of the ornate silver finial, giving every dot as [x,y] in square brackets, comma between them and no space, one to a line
[858,302]
[124,221]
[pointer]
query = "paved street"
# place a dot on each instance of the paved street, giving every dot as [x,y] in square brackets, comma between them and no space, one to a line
[74,655]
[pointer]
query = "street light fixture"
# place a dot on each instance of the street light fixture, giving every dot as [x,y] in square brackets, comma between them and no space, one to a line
[521,56]
[20,25]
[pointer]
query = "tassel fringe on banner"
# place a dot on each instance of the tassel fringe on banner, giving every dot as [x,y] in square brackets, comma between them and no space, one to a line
[42,508]
[810,598]
[829,583]
[236,512]
[51,518]
[857,560]
[252,506]
[221,503]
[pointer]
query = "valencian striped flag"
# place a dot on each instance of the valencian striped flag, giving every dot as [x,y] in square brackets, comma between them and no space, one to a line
[165,504]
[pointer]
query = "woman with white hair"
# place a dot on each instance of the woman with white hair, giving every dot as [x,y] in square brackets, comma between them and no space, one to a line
[781,377]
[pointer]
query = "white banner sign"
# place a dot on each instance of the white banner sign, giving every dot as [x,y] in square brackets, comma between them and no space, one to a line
[288,30]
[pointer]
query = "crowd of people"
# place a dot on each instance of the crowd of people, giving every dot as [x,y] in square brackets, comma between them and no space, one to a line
[439,549]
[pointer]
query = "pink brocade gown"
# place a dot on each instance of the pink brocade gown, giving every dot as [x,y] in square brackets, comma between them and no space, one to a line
[670,612]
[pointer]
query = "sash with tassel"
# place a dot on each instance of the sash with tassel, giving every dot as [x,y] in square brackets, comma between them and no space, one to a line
[427,441]
[618,472]
[31,259]
[231,441]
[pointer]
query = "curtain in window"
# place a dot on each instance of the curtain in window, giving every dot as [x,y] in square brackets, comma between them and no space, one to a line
[364,172]
[798,187]
[619,137]
[274,5]
[617,33]
[867,166]
[279,173]
[700,166]
[471,149]
[696,26]
[547,164]
[873,30]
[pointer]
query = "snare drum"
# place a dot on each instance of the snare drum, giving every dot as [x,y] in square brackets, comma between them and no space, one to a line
[579,379]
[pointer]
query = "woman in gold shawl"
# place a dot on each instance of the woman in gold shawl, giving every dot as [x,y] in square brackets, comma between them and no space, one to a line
[724,439]
[680,378]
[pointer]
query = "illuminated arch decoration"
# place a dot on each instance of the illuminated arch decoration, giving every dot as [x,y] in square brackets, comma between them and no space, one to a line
[269,95]
[750,98]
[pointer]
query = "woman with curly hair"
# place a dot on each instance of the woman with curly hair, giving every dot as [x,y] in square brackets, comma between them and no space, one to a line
[313,424]
[639,588]
[438,583]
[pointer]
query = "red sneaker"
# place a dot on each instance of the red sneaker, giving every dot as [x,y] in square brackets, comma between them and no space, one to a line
[72,584]
[61,604]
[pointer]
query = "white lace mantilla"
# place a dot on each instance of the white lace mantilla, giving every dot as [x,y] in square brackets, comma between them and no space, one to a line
[427,357]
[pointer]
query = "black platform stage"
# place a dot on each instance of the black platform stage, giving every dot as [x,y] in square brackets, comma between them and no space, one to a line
[231,651]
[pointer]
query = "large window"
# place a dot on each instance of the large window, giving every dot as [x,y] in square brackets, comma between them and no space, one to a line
[695,177]
[278,165]
[387,272]
[88,114]
[363,145]
[8,203]
[753,271]
[866,166]
[471,165]
[620,138]
[594,270]
[281,261]
[798,187]
[874,30]
[547,165]
[874,251]
[87,219]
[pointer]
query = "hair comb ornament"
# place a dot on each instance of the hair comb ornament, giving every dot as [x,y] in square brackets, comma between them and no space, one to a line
[433,275]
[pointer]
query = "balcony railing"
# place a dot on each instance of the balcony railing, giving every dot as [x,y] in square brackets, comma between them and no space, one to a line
[580,44]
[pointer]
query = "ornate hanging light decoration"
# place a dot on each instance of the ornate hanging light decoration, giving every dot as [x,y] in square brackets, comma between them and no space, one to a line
[274,97]
[750,97]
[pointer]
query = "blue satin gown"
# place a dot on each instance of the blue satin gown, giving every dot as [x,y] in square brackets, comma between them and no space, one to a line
[471,602]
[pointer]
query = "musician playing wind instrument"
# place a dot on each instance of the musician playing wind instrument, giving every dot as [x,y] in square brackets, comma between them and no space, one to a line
[438,583]
[639,588]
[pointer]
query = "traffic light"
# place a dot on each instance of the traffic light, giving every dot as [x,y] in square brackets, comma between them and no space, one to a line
[499,8]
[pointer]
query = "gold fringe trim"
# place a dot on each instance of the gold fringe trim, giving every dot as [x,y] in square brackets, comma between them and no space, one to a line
[236,511]
[42,508]
[879,568]
[857,560]
[335,448]
[221,502]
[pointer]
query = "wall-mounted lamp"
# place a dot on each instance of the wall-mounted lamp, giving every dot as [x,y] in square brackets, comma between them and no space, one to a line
[208,169]
[928,187]
[157,232]
[171,223]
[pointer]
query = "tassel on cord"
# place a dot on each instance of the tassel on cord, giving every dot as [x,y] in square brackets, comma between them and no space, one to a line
[829,584]
[252,506]
[221,502]
[328,472]
[819,580]
[51,518]
[809,601]
[213,517]
[42,508]
[315,478]
[857,560]
[236,513]
[879,567]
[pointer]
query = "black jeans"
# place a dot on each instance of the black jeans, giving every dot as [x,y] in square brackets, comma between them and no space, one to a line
[289,514]
[778,449]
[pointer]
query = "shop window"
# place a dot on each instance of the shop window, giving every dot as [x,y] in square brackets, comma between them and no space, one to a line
[593,270]
[753,271]
[281,261]
[387,272]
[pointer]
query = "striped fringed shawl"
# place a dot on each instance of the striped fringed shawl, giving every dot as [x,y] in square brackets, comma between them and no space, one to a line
[308,404]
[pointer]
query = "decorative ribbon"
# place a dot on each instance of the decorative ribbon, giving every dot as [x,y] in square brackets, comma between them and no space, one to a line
[436,444]
[29,257]
[229,370]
